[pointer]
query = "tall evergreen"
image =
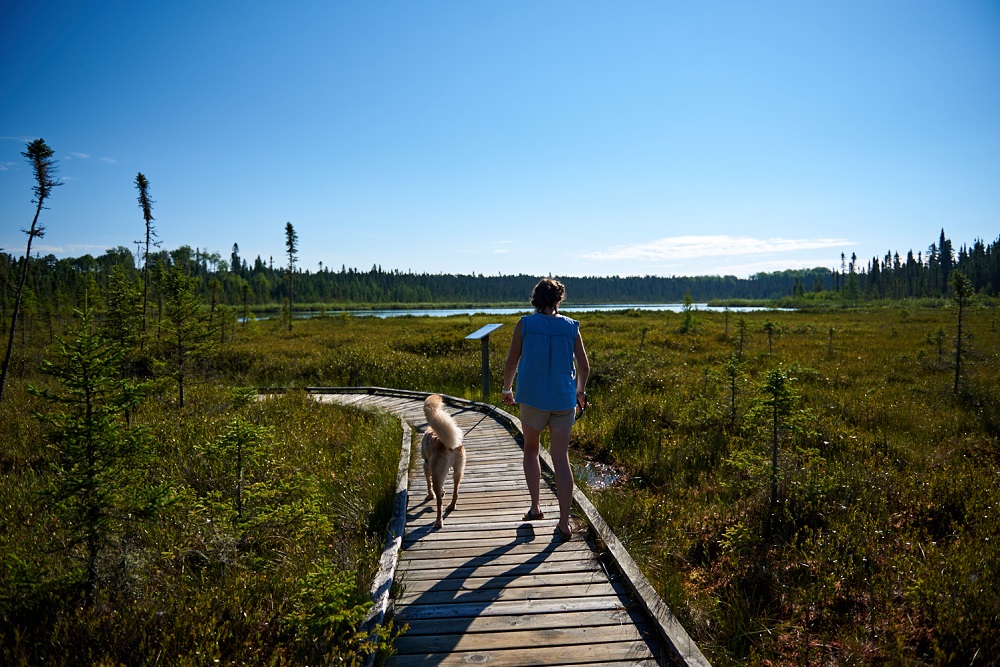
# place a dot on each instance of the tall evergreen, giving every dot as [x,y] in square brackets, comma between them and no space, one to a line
[292,248]
[146,204]
[44,167]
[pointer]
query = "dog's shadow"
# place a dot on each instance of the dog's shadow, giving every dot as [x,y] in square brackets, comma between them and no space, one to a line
[451,590]
[417,512]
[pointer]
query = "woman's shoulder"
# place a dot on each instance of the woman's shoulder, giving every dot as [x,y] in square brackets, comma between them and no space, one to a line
[569,320]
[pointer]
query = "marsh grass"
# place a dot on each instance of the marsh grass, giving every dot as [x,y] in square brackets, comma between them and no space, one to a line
[885,529]
[884,532]
[284,582]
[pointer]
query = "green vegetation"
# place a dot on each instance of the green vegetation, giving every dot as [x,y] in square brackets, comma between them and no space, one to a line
[229,530]
[845,512]
[815,505]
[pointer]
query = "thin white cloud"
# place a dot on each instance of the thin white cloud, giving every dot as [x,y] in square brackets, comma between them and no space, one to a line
[745,269]
[71,250]
[6,166]
[109,160]
[75,155]
[691,247]
[504,248]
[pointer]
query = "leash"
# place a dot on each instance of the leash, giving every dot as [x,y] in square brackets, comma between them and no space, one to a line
[488,413]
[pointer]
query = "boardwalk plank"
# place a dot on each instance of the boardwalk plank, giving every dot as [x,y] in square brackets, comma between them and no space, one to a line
[561,655]
[541,621]
[529,636]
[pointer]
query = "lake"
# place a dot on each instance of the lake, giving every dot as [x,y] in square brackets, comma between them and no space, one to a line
[445,312]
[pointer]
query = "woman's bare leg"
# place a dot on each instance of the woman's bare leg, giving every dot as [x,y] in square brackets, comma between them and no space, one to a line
[559,448]
[532,468]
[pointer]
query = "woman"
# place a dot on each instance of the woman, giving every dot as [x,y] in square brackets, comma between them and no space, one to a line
[542,354]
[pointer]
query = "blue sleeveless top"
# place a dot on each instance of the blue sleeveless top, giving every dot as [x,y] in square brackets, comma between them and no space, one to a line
[546,374]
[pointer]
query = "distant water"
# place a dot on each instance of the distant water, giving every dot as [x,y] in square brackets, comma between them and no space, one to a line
[445,312]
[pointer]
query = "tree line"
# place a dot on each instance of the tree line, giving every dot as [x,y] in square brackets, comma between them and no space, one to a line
[40,290]
[260,283]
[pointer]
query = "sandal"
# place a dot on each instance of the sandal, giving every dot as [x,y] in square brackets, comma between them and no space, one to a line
[565,537]
[529,516]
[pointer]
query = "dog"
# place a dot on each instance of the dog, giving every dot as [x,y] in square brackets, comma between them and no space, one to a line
[442,450]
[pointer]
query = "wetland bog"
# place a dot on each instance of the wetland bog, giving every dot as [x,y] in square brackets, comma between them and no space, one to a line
[877,545]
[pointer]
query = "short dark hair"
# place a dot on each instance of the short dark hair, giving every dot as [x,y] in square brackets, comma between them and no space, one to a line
[548,293]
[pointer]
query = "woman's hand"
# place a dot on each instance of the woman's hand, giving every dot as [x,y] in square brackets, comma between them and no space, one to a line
[507,396]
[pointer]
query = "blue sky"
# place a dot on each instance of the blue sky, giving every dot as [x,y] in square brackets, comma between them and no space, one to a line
[566,138]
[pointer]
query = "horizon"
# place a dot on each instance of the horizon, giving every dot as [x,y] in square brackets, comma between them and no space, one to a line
[569,139]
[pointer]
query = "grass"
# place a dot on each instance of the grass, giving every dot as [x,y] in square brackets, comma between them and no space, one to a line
[882,547]
[199,584]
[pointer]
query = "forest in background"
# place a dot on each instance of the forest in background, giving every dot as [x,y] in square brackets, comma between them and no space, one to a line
[55,286]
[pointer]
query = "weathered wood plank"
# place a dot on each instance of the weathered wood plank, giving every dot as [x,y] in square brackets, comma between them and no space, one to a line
[478,559]
[542,621]
[533,579]
[570,635]
[548,566]
[560,655]
[507,607]
[434,597]
[532,539]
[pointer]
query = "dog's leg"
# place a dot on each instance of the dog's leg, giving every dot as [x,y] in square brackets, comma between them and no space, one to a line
[439,475]
[457,471]
[427,475]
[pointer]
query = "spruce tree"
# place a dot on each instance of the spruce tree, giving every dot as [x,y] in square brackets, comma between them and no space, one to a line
[185,336]
[962,293]
[292,247]
[146,204]
[44,167]
[780,399]
[100,481]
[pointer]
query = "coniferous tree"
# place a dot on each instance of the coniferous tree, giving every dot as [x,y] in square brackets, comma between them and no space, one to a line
[962,293]
[245,293]
[146,204]
[44,167]
[185,337]
[123,317]
[235,265]
[99,483]
[779,399]
[769,328]
[741,326]
[292,247]
[733,371]
[214,285]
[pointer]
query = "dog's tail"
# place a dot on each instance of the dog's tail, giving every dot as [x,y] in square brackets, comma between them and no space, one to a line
[444,426]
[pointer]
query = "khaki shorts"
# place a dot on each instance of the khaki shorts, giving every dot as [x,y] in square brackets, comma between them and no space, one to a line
[539,419]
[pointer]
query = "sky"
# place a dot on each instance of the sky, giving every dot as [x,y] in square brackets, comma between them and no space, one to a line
[547,138]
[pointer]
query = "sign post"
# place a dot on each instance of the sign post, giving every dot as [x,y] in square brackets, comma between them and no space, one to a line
[483,334]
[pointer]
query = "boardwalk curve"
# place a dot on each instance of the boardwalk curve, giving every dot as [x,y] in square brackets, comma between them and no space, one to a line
[491,588]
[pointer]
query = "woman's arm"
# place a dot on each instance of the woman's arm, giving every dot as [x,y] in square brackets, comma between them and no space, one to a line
[510,367]
[582,365]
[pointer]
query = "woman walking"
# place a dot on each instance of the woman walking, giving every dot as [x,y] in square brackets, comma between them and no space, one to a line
[549,360]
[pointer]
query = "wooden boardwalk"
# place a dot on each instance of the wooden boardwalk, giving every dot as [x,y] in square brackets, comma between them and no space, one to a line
[491,588]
